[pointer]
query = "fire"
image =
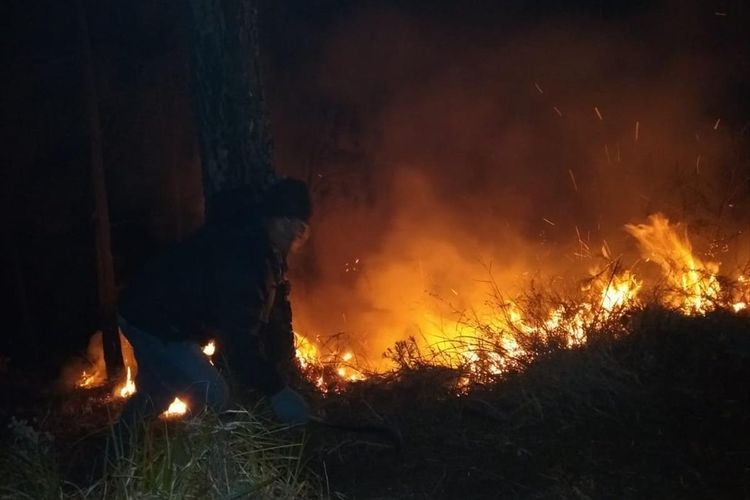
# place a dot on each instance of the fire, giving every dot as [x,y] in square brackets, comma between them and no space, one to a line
[695,289]
[97,376]
[176,409]
[483,338]
[128,387]
[621,292]
[331,368]
[305,351]
[209,349]
[87,379]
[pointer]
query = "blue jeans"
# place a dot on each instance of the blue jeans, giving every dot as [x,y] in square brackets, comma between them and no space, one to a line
[168,369]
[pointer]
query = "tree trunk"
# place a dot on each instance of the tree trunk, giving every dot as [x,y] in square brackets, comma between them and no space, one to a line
[105,274]
[228,98]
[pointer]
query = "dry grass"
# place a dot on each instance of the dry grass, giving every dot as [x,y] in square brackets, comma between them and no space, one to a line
[235,455]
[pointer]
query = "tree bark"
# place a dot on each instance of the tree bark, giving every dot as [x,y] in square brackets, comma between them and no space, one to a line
[230,108]
[105,274]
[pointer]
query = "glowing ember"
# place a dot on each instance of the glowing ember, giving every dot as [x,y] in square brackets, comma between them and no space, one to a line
[87,379]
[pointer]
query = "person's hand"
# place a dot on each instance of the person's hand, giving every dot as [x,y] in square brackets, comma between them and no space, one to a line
[290,407]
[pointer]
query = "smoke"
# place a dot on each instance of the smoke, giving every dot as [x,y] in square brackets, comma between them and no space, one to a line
[444,157]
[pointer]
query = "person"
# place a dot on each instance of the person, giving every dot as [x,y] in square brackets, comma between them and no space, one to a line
[227,282]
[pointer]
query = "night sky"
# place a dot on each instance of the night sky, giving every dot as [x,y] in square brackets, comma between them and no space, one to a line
[357,89]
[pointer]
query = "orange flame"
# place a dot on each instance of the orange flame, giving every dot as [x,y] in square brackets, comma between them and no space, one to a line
[695,288]
[176,409]
[463,341]
[128,387]
[97,375]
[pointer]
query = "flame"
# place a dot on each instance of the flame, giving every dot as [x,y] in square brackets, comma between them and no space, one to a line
[695,289]
[127,389]
[329,369]
[176,409]
[97,375]
[621,292]
[484,339]
[209,349]
[305,351]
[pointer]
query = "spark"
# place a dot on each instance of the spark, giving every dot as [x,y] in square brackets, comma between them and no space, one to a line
[598,113]
[573,178]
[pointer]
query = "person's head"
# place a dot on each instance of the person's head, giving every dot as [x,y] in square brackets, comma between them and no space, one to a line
[286,208]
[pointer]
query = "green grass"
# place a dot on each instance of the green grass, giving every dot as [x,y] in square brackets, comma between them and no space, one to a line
[235,455]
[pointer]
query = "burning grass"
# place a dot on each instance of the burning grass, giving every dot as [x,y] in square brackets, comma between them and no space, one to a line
[500,333]
[485,338]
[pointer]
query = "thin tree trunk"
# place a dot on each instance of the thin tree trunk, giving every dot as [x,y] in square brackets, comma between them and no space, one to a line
[228,98]
[105,273]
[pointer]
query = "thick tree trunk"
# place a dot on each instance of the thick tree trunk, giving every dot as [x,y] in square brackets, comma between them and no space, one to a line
[228,98]
[104,266]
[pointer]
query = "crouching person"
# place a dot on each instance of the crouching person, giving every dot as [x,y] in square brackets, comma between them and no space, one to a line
[227,282]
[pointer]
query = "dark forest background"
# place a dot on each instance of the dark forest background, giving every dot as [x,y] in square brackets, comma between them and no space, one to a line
[140,48]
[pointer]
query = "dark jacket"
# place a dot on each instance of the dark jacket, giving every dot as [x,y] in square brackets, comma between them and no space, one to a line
[216,284]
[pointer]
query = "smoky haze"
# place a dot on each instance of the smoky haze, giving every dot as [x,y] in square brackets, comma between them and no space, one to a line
[450,156]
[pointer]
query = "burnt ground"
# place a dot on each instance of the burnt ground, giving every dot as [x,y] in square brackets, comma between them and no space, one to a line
[663,412]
